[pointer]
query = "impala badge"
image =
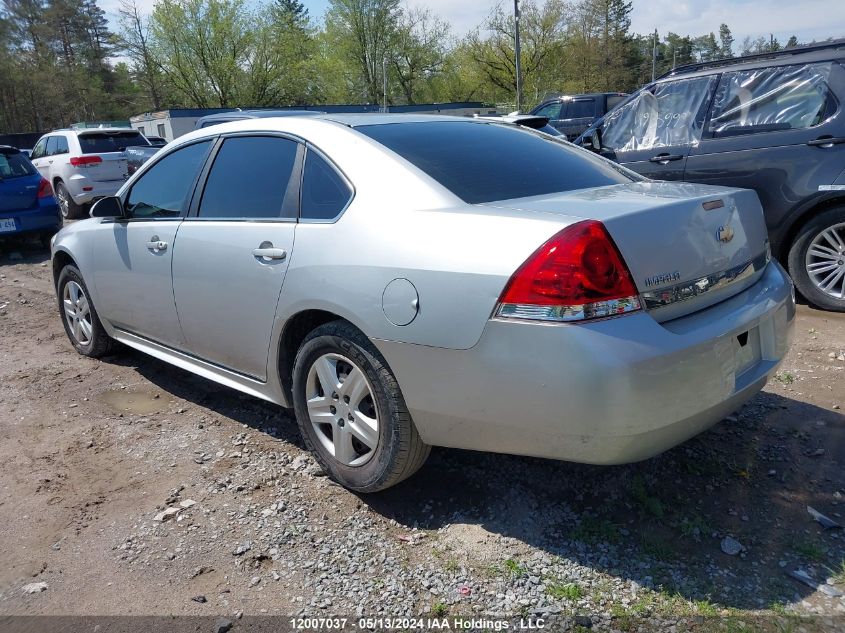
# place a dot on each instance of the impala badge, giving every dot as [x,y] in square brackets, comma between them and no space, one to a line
[725,233]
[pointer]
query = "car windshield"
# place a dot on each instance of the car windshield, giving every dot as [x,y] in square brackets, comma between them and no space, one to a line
[486,162]
[104,142]
[13,164]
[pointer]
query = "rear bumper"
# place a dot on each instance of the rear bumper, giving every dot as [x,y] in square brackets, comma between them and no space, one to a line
[77,185]
[612,391]
[45,218]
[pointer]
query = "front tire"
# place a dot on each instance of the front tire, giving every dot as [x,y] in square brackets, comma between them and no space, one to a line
[79,317]
[69,209]
[817,260]
[351,412]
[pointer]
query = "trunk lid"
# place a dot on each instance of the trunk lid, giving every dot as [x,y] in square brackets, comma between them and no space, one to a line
[687,246]
[110,146]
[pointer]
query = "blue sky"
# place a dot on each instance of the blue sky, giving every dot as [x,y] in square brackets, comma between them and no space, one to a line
[807,19]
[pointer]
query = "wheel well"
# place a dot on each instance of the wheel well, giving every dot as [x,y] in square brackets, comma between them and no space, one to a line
[296,329]
[807,215]
[60,260]
[57,180]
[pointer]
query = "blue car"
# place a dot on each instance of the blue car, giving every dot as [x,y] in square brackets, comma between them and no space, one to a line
[27,205]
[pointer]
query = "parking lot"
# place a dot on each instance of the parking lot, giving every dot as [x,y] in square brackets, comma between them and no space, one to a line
[93,453]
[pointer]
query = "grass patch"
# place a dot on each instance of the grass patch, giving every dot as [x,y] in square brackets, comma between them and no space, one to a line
[565,591]
[656,547]
[439,609]
[514,569]
[785,378]
[592,530]
[809,550]
[647,502]
[838,573]
[695,527]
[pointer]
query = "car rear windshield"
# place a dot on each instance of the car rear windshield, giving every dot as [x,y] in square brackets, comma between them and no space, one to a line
[13,164]
[103,142]
[481,162]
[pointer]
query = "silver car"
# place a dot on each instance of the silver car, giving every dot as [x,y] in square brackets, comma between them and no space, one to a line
[409,281]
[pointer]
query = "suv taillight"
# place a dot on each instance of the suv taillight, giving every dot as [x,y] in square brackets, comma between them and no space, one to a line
[577,275]
[80,161]
[44,189]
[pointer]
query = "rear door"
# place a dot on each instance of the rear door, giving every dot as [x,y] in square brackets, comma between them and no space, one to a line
[777,130]
[577,115]
[233,251]
[110,147]
[653,133]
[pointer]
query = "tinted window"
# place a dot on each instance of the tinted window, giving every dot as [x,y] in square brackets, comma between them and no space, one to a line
[769,99]
[13,164]
[52,142]
[163,189]
[482,162]
[61,146]
[581,109]
[324,192]
[249,179]
[666,114]
[104,142]
[40,148]
[551,110]
[615,100]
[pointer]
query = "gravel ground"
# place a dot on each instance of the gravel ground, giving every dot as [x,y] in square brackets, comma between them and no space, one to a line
[131,487]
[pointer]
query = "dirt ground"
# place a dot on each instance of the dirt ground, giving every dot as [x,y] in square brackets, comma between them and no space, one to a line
[92,450]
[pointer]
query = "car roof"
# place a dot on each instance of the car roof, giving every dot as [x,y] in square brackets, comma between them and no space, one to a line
[377,118]
[256,114]
[93,130]
[790,56]
[585,95]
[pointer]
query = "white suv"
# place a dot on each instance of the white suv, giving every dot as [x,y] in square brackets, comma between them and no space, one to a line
[84,165]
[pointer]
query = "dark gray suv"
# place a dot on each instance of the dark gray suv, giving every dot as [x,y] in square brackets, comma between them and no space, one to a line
[773,123]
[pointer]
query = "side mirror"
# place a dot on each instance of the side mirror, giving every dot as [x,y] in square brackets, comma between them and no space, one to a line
[594,140]
[110,207]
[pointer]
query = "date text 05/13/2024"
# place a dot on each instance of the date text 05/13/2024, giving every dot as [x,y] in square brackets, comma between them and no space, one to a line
[421,623]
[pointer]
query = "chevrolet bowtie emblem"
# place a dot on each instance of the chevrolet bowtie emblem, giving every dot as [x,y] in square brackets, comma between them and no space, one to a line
[725,233]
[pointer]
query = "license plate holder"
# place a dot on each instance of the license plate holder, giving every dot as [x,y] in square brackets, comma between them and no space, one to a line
[7,225]
[747,350]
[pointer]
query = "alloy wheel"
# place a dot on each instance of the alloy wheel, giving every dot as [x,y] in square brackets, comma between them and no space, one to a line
[77,312]
[62,195]
[342,409]
[825,261]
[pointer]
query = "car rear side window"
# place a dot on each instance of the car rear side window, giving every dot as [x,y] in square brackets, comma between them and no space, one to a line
[13,164]
[324,191]
[250,178]
[105,142]
[57,145]
[163,190]
[483,162]
[771,99]
[581,109]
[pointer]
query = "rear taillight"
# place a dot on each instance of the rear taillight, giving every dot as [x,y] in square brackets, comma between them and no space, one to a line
[44,189]
[81,161]
[577,275]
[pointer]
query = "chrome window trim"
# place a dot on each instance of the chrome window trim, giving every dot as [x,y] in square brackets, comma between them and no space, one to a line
[671,295]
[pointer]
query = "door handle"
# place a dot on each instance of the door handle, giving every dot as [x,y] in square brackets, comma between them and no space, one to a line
[156,245]
[665,158]
[267,251]
[826,141]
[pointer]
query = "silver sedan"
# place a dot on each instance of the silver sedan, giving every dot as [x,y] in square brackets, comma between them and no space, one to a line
[409,281]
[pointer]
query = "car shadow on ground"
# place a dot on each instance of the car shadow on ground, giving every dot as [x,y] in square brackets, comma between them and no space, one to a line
[659,523]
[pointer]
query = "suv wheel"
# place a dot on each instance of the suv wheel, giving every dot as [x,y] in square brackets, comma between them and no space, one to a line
[70,210]
[351,412]
[82,325]
[817,260]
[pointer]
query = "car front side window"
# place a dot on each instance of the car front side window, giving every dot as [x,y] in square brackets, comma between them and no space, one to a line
[163,190]
[770,99]
[664,115]
[40,148]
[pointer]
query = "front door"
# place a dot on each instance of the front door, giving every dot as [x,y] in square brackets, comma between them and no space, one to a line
[652,134]
[132,267]
[233,252]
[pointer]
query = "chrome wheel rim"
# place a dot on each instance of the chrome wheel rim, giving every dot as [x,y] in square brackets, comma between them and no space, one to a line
[61,194]
[342,409]
[77,312]
[825,261]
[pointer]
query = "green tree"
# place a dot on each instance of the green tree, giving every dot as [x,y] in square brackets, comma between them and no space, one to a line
[726,41]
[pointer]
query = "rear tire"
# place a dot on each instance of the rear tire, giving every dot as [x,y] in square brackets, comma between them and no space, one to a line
[398,452]
[79,317]
[817,260]
[69,209]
